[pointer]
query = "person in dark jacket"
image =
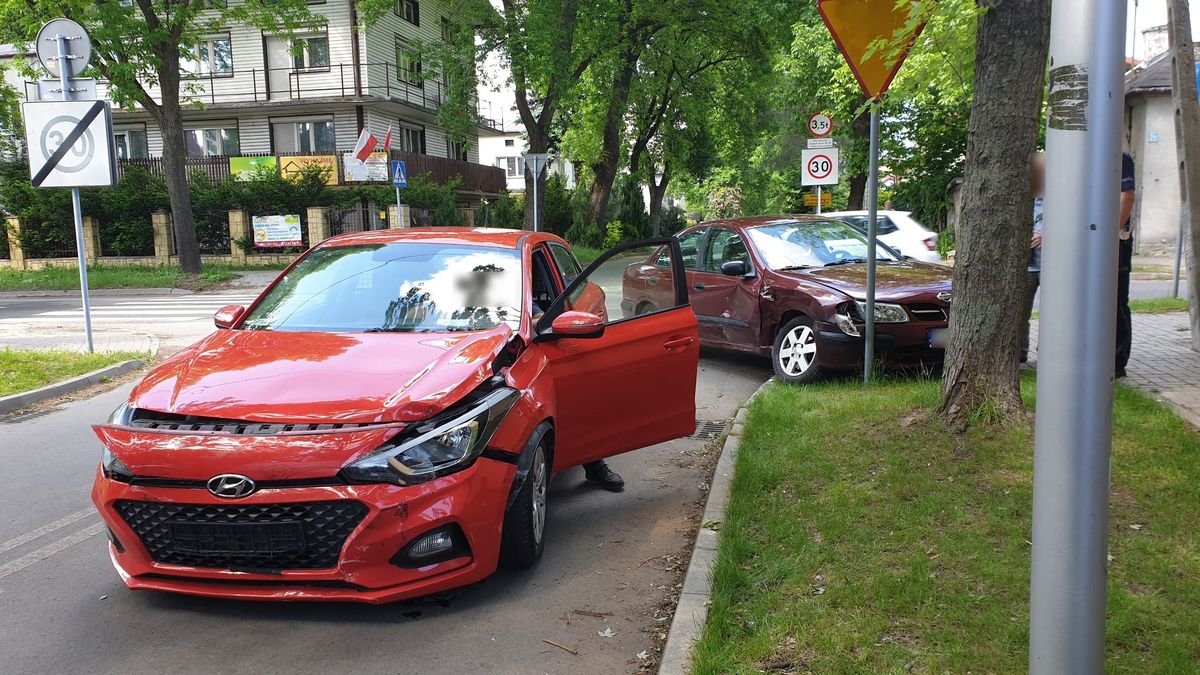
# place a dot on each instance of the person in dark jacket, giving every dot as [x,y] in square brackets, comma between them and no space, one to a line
[1125,266]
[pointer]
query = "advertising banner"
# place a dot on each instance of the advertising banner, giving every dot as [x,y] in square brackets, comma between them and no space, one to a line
[277,231]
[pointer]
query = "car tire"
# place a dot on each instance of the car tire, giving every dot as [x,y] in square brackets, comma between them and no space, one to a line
[791,365]
[645,308]
[524,536]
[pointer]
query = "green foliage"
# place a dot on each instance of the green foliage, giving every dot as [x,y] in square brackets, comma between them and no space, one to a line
[123,212]
[47,221]
[506,211]
[422,193]
[557,213]
[590,235]
[628,206]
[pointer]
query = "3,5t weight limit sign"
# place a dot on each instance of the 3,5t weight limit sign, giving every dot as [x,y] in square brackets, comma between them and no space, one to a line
[820,166]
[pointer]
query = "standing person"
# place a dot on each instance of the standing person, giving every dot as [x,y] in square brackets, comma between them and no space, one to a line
[1125,266]
[1033,274]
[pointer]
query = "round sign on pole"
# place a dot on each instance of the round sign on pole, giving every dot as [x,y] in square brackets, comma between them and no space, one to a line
[820,125]
[79,47]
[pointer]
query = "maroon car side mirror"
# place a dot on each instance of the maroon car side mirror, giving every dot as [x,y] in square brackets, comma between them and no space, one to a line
[228,315]
[574,324]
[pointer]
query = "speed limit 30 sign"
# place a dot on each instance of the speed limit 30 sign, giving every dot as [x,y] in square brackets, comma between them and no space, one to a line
[820,166]
[70,143]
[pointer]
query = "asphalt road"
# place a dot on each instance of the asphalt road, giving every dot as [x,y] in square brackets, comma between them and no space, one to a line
[63,609]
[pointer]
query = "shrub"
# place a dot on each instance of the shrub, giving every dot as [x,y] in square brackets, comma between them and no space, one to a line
[123,212]
[508,211]
[557,212]
[47,222]
[422,193]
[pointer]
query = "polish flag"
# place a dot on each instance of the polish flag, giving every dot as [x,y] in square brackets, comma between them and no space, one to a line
[365,146]
[387,141]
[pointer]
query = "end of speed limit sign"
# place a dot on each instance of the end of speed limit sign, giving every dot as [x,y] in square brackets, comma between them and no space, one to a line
[820,166]
[70,143]
[820,125]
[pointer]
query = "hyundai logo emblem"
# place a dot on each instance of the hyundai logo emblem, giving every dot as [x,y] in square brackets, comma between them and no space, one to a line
[944,296]
[231,486]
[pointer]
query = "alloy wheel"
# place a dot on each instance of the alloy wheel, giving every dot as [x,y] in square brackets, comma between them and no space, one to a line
[540,485]
[798,350]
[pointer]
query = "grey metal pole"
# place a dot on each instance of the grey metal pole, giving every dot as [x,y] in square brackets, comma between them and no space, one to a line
[399,217]
[63,59]
[818,200]
[872,214]
[535,201]
[1077,338]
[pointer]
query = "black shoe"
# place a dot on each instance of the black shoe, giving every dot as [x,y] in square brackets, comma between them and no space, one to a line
[605,478]
[1119,374]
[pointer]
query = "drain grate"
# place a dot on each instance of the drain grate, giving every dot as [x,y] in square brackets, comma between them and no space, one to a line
[708,429]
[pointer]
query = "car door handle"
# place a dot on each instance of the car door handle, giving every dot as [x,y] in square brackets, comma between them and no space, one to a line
[678,342]
[698,286]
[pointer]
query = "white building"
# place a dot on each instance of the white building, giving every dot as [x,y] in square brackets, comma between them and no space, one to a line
[507,151]
[257,97]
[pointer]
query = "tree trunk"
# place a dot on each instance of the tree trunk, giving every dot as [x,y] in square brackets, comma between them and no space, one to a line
[861,130]
[982,362]
[1187,144]
[605,170]
[169,116]
[657,192]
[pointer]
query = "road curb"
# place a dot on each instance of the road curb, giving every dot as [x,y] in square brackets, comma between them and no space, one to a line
[94,292]
[692,610]
[18,401]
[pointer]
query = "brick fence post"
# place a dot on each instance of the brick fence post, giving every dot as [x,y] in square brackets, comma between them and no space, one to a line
[318,224]
[16,254]
[160,223]
[91,239]
[239,230]
[404,219]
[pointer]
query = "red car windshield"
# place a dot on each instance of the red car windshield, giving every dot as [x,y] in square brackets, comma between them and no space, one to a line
[399,287]
[812,243]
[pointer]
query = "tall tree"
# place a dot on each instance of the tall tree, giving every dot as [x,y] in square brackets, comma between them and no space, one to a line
[142,47]
[981,370]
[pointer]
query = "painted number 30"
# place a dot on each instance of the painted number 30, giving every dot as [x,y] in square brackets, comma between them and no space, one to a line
[820,166]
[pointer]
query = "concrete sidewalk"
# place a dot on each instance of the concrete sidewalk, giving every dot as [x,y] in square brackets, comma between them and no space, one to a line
[75,341]
[1163,363]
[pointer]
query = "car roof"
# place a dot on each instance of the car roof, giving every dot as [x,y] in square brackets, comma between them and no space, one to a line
[880,212]
[759,221]
[477,236]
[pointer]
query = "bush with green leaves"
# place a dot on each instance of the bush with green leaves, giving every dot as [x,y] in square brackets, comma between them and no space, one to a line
[123,212]
[507,211]
[422,193]
[47,223]
[557,213]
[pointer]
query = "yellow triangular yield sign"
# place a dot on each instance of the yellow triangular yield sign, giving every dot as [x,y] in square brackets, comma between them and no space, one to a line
[855,24]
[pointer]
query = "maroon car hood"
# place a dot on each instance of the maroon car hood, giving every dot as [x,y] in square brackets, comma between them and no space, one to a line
[272,376]
[893,281]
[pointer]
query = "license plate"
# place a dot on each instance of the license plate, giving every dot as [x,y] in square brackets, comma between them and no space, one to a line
[939,338]
[246,539]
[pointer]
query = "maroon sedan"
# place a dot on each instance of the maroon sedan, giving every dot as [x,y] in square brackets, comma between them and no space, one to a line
[794,287]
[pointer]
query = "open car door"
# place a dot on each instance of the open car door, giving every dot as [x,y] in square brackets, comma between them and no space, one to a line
[631,381]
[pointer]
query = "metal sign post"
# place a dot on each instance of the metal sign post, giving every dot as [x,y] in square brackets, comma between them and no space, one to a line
[399,180]
[1076,341]
[536,161]
[872,237]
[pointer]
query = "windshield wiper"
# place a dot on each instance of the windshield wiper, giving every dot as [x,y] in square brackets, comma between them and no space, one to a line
[790,268]
[845,261]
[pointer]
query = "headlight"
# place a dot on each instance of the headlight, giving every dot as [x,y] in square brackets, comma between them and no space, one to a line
[122,415]
[443,445]
[845,317]
[114,468]
[885,312]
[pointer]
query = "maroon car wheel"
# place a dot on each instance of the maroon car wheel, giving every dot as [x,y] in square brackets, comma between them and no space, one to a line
[795,353]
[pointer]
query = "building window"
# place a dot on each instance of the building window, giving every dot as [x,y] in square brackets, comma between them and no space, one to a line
[311,52]
[409,10]
[210,142]
[312,136]
[412,139]
[508,143]
[212,56]
[513,166]
[447,30]
[131,143]
[408,66]
[456,150]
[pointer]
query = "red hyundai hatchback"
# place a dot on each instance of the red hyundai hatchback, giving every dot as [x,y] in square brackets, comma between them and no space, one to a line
[793,288]
[383,421]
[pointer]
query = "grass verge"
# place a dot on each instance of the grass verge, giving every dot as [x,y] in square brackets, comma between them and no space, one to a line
[25,370]
[862,536]
[1158,305]
[586,254]
[102,276]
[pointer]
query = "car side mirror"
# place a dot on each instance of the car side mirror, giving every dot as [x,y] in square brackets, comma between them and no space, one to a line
[573,324]
[228,315]
[734,268]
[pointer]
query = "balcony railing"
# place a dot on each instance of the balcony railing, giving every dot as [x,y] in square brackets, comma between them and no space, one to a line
[476,178]
[261,85]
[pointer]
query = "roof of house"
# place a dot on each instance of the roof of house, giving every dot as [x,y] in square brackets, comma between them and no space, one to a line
[1153,78]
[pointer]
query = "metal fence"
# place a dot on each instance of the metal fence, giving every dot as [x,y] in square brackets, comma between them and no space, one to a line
[360,217]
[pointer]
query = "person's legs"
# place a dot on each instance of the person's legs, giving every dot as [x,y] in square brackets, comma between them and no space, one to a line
[1124,317]
[599,473]
[1032,279]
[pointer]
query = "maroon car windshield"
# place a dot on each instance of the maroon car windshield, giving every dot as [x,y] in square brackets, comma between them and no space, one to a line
[812,243]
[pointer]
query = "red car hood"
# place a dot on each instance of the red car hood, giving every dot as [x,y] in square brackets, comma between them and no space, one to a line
[270,376]
[893,281]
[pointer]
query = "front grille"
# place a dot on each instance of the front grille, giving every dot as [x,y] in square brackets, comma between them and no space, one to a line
[304,535]
[927,312]
[160,421]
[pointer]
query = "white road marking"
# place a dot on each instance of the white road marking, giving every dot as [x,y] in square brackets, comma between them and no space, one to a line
[47,529]
[169,309]
[49,550]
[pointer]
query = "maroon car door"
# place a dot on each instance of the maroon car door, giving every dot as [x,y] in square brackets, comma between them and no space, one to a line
[726,305]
